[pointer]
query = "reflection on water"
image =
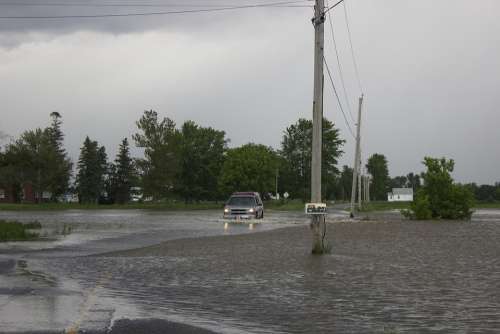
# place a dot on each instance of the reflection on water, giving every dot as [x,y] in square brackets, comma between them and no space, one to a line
[94,231]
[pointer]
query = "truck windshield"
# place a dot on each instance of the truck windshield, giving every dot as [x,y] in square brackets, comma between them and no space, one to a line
[241,201]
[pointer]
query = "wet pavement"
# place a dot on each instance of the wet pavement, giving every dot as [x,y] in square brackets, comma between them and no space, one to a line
[170,269]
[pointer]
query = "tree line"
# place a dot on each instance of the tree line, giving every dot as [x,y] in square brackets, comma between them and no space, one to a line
[190,162]
[382,183]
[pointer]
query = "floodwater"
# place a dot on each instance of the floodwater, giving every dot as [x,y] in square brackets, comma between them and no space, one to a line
[389,276]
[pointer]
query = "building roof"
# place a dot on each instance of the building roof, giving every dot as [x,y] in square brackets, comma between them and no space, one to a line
[402,191]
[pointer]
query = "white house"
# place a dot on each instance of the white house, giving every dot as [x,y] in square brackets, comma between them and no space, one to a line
[400,195]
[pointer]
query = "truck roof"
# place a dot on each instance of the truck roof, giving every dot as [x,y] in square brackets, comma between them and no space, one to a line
[245,193]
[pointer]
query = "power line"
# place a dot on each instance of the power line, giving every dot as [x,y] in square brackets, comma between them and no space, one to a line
[117,4]
[352,48]
[186,11]
[332,7]
[340,68]
[338,99]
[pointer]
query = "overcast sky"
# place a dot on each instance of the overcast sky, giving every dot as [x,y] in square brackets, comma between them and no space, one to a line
[430,71]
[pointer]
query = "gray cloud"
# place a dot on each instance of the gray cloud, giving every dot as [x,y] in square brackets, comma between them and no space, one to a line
[430,71]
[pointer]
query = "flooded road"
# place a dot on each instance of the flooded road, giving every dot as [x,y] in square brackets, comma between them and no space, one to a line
[382,277]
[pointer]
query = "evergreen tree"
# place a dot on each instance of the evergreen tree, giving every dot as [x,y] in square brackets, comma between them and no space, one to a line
[92,170]
[59,164]
[123,174]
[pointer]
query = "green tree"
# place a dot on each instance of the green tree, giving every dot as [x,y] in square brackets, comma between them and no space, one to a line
[413,181]
[486,193]
[346,182]
[250,167]
[31,157]
[38,157]
[122,174]
[92,170]
[440,197]
[161,143]
[296,150]
[201,159]
[399,182]
[377,167]
[58,163]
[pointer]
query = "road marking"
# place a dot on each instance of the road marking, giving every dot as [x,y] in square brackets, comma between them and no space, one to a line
[84,312]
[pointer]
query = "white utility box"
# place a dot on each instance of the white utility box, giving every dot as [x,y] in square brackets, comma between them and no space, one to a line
[315,208]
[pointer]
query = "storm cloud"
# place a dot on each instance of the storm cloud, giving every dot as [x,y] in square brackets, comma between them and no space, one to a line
[430,73]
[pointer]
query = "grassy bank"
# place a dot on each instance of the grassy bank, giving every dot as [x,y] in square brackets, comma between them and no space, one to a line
[15,231]
[385,206]
[292,205]
[170,206]
[487,205]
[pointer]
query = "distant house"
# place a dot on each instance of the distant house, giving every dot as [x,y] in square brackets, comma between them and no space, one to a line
[9,193]
[400,195]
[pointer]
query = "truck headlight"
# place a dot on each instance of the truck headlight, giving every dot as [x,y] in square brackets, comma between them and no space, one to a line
[250,210]
[226,210]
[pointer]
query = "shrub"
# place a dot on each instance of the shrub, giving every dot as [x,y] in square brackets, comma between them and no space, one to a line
[440,198]
[13,231]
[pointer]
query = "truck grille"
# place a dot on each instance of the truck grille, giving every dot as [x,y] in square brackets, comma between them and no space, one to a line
[239,211]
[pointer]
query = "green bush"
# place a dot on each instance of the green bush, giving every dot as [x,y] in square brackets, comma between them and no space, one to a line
[14,231]
[421,207]
[440,198]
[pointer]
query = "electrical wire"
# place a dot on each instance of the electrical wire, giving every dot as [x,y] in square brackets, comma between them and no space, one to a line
[332,7]
[338,99]
[352,48]
[186,11]
[349,109]
[118,4]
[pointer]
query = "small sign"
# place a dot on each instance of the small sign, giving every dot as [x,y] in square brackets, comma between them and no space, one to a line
[315,208]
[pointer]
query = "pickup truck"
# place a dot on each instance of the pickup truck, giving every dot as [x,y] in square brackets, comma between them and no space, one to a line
[244,205]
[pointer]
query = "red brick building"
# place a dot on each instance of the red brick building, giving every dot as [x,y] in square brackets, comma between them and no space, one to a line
[8,194]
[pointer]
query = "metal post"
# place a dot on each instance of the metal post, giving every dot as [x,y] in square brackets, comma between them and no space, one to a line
[316,220]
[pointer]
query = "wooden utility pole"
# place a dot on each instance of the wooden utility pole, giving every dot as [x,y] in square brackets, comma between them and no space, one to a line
[360,179]
[319,40]
[357,157]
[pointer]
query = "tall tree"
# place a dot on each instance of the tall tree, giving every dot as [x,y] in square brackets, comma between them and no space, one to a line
[250,167]
[92,170]
[296,149]
[160,165]
[345,182]
[201,159]
[377,167]
[59,164]
[123,174]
